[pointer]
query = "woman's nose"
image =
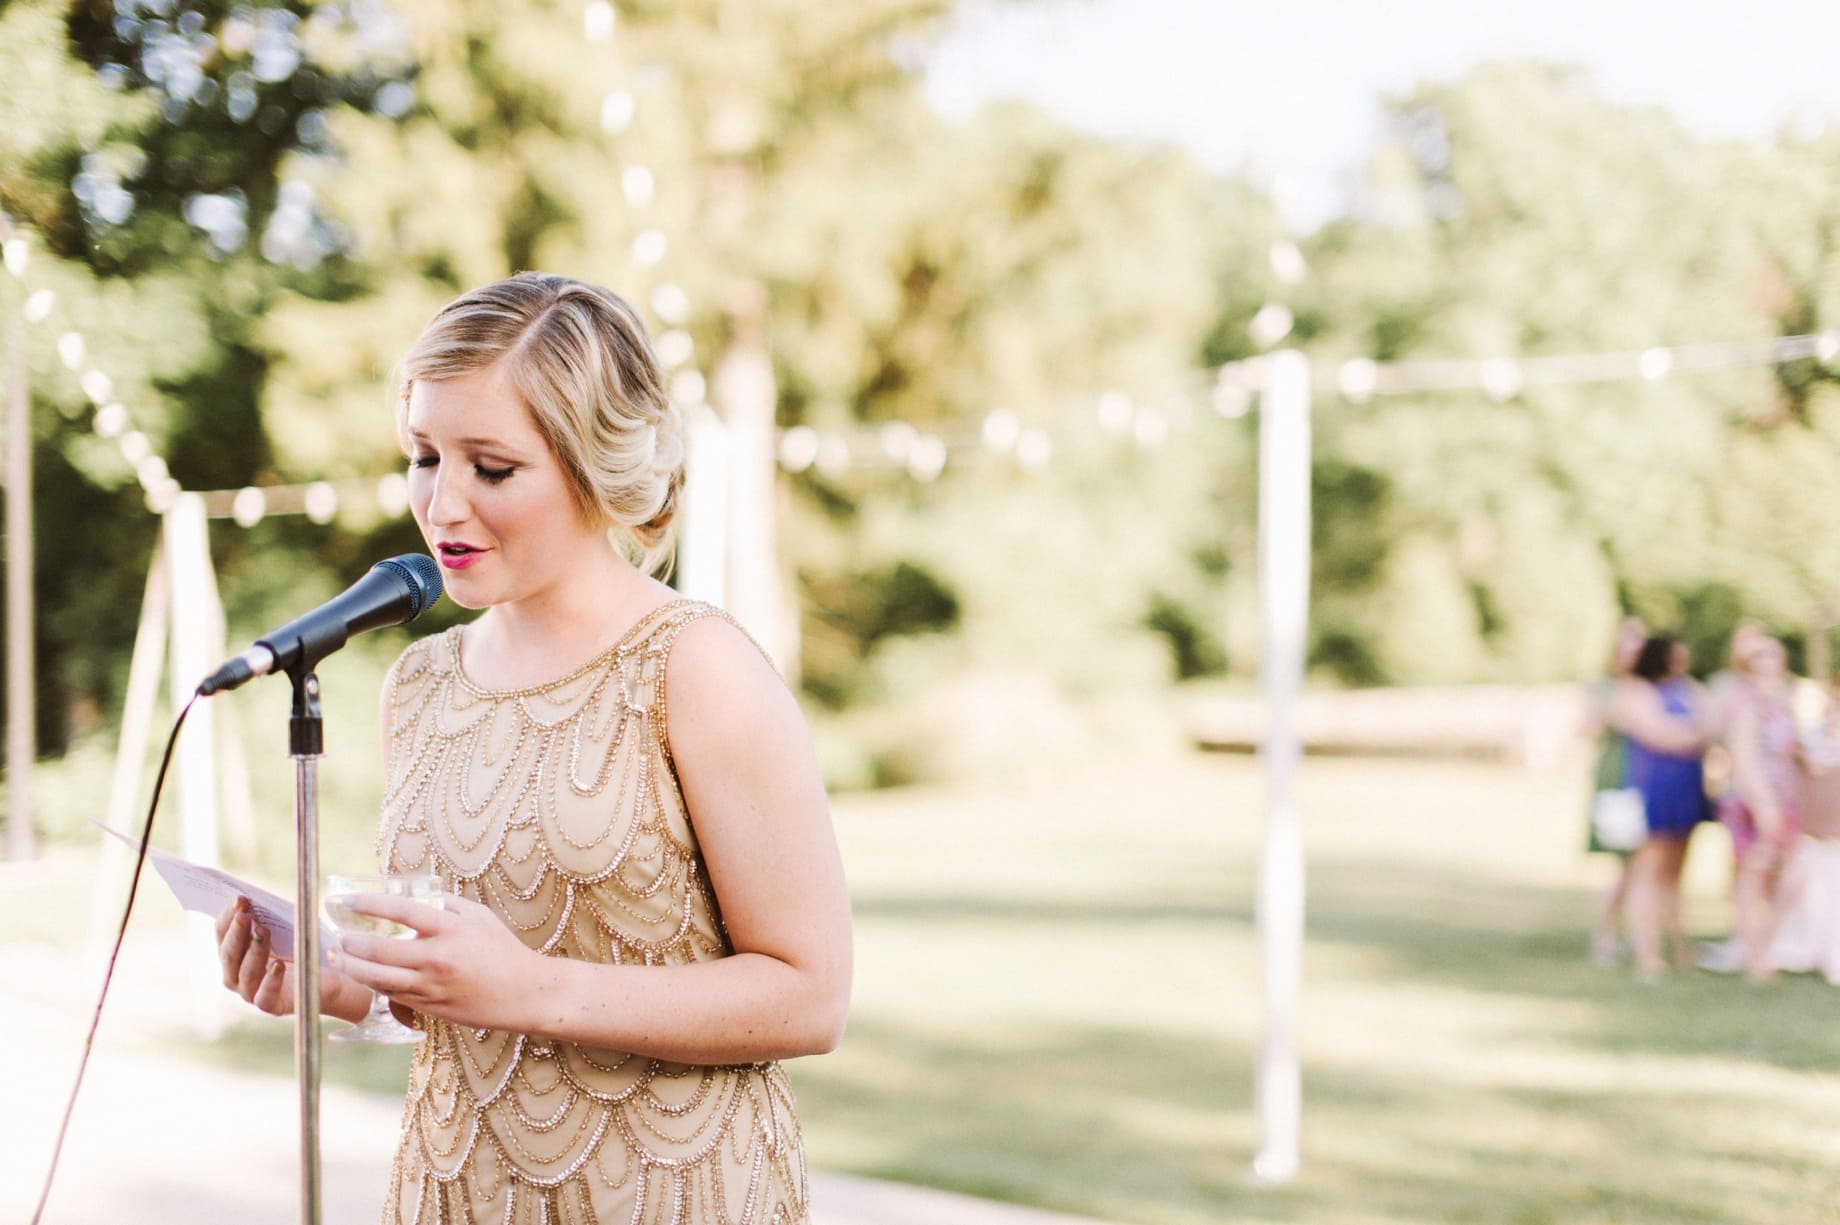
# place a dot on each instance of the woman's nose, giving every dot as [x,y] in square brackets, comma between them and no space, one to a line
[446,503]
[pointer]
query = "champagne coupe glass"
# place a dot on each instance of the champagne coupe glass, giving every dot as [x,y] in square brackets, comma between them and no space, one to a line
[379,1025]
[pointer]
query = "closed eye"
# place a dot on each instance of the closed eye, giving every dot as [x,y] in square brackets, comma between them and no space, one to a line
[493,476]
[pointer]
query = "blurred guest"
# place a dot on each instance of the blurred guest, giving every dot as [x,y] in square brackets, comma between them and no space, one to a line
[1762,808]
[1663,714]
[1808,934]
[1722,687]
[1608,781]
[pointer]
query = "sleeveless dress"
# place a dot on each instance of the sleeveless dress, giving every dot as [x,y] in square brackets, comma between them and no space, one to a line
[1777,742]
[1808,929]
[558,807]
[1673,788]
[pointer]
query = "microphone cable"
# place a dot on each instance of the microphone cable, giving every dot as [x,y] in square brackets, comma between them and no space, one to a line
[134,883]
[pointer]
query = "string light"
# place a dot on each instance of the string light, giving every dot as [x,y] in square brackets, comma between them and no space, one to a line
[1502,378]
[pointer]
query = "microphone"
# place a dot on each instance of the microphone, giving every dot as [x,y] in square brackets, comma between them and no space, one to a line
[395,591]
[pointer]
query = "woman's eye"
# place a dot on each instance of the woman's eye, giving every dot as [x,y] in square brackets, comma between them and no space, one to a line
[421,461]
[492,476]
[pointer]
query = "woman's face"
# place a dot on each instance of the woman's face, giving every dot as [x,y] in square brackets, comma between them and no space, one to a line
[1768,660]
[487,492]
[1629,639]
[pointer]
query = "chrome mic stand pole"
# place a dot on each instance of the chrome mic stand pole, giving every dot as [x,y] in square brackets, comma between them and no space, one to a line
[306,739]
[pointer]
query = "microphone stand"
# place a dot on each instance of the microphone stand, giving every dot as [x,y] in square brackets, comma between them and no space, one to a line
[306,740]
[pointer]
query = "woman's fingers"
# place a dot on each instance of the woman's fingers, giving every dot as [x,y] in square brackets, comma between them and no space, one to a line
[233,945]
[275,993]
[255,965]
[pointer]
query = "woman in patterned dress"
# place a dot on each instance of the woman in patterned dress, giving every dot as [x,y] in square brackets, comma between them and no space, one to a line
[1763,806]
[619,790]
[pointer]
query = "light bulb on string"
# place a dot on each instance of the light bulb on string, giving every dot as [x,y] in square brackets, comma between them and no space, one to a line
[321,502]
[1654,364]
[1357,379]
[617,112]
[134,446]
[674,348]
[111,420]
[1115,410]
[798,448]
[638,185]
[1271,324]
[597,22]
[1827,347]
[898,439]
[15,255]
[926,459]
[248,506]
[38,306]
[1034,449]
[1001,430]
[393,493]
[1287,262]
[161,497]
[70,349]
[670,303]
[151,472]
[1501,379]
[97,386]
[649,247]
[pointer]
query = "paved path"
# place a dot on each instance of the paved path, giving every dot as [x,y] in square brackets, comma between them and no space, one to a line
[162,1140]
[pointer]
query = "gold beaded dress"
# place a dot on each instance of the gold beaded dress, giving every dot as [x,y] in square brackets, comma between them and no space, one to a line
[558,807]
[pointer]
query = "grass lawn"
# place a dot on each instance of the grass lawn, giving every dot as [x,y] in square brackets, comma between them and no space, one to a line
[1057,1003]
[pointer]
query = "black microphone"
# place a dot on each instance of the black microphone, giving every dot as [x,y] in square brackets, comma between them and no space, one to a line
[394,592]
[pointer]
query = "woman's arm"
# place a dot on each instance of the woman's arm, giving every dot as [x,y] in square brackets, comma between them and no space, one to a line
[751,783]
[1636,712]
[1747,771]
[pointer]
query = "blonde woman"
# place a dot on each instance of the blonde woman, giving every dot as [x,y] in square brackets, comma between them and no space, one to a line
[651,909]
[1763,805]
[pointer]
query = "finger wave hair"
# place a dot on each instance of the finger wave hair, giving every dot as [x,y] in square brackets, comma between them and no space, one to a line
[580,357]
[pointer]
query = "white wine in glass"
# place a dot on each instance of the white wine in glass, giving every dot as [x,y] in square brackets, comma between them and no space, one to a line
[379,1024]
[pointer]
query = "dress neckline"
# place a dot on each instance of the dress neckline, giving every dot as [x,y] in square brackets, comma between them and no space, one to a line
[634,633]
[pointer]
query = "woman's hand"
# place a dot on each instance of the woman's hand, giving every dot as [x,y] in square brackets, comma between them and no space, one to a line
[464,965]
[254,971]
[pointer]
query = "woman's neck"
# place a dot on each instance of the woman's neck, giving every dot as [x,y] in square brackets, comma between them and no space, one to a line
[547,636]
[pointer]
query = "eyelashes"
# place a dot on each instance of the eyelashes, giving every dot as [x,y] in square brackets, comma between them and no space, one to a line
[491,476]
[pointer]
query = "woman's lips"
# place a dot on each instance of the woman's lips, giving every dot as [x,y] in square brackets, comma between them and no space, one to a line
[458,556]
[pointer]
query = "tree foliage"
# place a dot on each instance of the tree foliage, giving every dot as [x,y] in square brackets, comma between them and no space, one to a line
[252,208]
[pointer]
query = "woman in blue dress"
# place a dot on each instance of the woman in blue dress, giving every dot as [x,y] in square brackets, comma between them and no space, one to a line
[1662,713]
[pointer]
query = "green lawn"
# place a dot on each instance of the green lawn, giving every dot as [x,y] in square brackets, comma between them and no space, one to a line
[1057,1003]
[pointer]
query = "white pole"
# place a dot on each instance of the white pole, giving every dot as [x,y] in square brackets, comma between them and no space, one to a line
[1284,587]
[130,756]
[21,698]
[188,554]
[702,557]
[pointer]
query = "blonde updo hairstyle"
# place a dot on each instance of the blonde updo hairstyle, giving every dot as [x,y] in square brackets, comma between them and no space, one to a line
[579,356]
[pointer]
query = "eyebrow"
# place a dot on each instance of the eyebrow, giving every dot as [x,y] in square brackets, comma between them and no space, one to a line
[480,444]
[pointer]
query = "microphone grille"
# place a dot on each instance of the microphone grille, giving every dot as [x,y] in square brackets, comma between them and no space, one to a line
[423,575]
